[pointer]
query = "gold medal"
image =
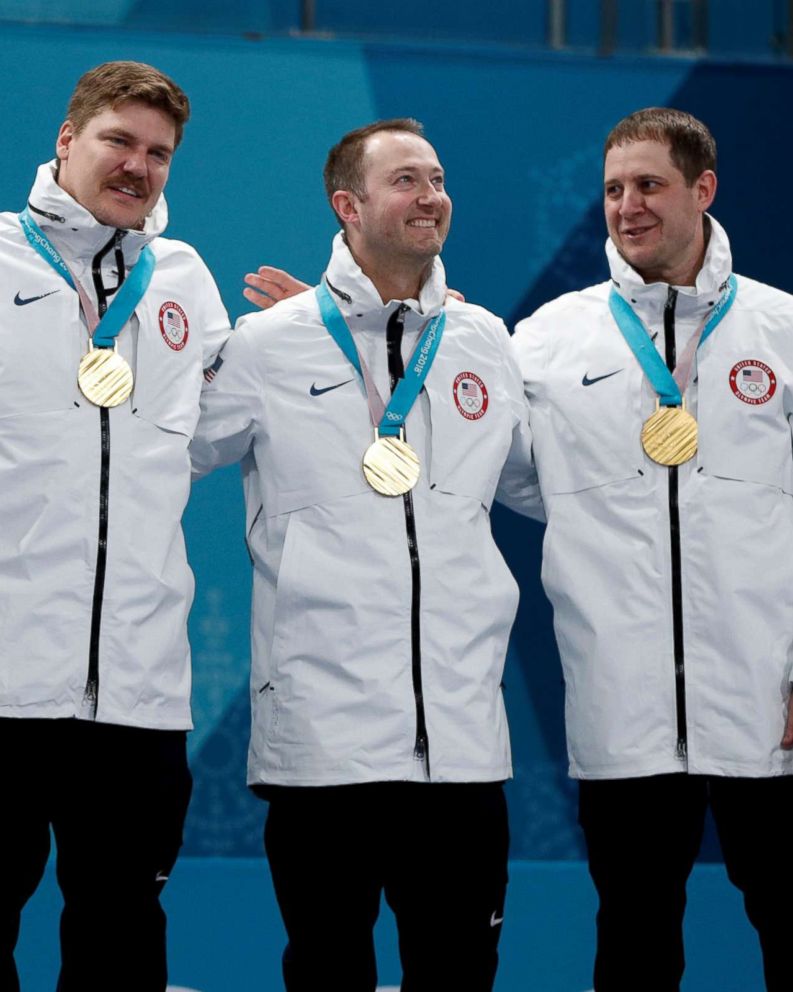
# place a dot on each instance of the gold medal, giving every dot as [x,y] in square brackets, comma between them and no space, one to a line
[104,377]
[390,465]
[669,437]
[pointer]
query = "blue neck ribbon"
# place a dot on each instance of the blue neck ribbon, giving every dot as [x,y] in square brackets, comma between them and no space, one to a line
[129,294]
[641,344]
[407,389]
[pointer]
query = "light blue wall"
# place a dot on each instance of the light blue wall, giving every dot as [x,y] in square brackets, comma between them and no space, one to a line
[520,136]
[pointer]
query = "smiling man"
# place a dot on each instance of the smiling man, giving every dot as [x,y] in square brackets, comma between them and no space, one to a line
[375,423]
[105,328]
[661,407]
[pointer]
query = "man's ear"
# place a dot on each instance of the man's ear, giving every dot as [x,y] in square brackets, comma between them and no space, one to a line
[346,206]
[706,189]
[64,140]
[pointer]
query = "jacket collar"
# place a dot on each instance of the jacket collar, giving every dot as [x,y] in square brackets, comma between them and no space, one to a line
[75,231]
[692,301]
[356,295]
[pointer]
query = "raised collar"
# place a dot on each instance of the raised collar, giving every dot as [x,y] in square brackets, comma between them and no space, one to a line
[356,295]
[75,231]
[692,301]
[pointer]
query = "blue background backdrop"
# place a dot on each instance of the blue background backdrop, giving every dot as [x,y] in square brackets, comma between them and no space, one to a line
[520,133]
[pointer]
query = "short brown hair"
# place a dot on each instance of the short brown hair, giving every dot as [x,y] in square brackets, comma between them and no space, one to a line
[113,83]
[344,168]
[691,145]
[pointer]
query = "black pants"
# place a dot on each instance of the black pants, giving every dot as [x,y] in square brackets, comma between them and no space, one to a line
[116,799]
[643,835]
[438,852]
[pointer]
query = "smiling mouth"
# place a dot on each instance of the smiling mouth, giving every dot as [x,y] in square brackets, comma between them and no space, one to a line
[425,222]
[637,232]
[127,191]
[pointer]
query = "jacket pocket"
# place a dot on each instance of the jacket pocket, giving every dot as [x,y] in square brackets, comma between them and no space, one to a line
[744,435]
[468,446]
[584,439]
[168,382]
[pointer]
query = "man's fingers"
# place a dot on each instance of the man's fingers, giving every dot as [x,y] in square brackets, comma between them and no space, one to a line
[268,285]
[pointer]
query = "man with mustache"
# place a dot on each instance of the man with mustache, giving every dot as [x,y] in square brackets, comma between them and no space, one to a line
[375,421]
[661,409]
[106,328]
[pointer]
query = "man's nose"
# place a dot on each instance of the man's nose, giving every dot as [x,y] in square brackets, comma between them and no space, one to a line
[632,202]
[429,193]
[135,162]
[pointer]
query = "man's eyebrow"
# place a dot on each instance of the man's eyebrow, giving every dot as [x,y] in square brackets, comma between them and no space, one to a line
[412,168]
[642,175]
[121,132]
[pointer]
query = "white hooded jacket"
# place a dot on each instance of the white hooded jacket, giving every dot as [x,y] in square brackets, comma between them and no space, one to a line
[673,600]
[379,629]
[75,609]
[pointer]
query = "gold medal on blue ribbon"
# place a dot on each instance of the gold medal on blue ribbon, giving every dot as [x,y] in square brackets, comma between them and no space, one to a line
[669,436]
[390,465]
[104,377]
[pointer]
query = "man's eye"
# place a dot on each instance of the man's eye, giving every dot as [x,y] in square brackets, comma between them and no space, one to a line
[438,182]
[613,191]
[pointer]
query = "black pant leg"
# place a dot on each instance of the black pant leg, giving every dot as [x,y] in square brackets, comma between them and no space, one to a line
[118,831]
[753,818]
[25,787]
[323,845]
[446,882]
[642,836]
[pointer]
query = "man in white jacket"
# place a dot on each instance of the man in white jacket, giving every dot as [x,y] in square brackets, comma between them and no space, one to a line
[382,607]
[106,328]
[669,554]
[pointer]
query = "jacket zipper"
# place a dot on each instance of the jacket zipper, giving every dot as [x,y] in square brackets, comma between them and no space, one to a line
[91,694]
[396,369]
[681,750]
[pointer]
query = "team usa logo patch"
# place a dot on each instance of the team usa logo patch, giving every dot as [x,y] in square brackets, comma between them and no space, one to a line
[752,381]
[173,325]
[470,395]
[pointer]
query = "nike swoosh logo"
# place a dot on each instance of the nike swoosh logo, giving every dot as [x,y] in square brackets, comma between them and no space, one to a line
[495,920]
[326,389]
[20,302]
[586,381]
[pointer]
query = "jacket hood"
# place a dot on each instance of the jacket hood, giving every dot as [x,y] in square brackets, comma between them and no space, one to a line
[75,230]
[716,269]
[354,291]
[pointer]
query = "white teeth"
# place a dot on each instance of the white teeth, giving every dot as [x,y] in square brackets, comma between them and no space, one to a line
[421,223]
[128,191]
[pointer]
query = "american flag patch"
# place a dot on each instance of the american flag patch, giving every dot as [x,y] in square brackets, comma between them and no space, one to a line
[470,388]
[752,375]
[214,368]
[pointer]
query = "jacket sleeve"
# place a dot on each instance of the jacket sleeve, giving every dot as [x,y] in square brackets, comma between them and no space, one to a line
[518,486]
[230,405]
[217,326]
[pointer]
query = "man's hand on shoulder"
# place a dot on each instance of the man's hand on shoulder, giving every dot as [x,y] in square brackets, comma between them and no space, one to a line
[268,286]
[455,295]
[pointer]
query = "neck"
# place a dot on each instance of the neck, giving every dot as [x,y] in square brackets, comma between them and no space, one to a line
[684,274]
[392,278]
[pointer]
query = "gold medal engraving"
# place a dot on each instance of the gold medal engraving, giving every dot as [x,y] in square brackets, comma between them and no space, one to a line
[104,377]
[669,437]
[391,466]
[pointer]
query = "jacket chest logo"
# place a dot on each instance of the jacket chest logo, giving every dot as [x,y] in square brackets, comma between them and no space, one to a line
[174,326]
[470,395]
[752,381]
